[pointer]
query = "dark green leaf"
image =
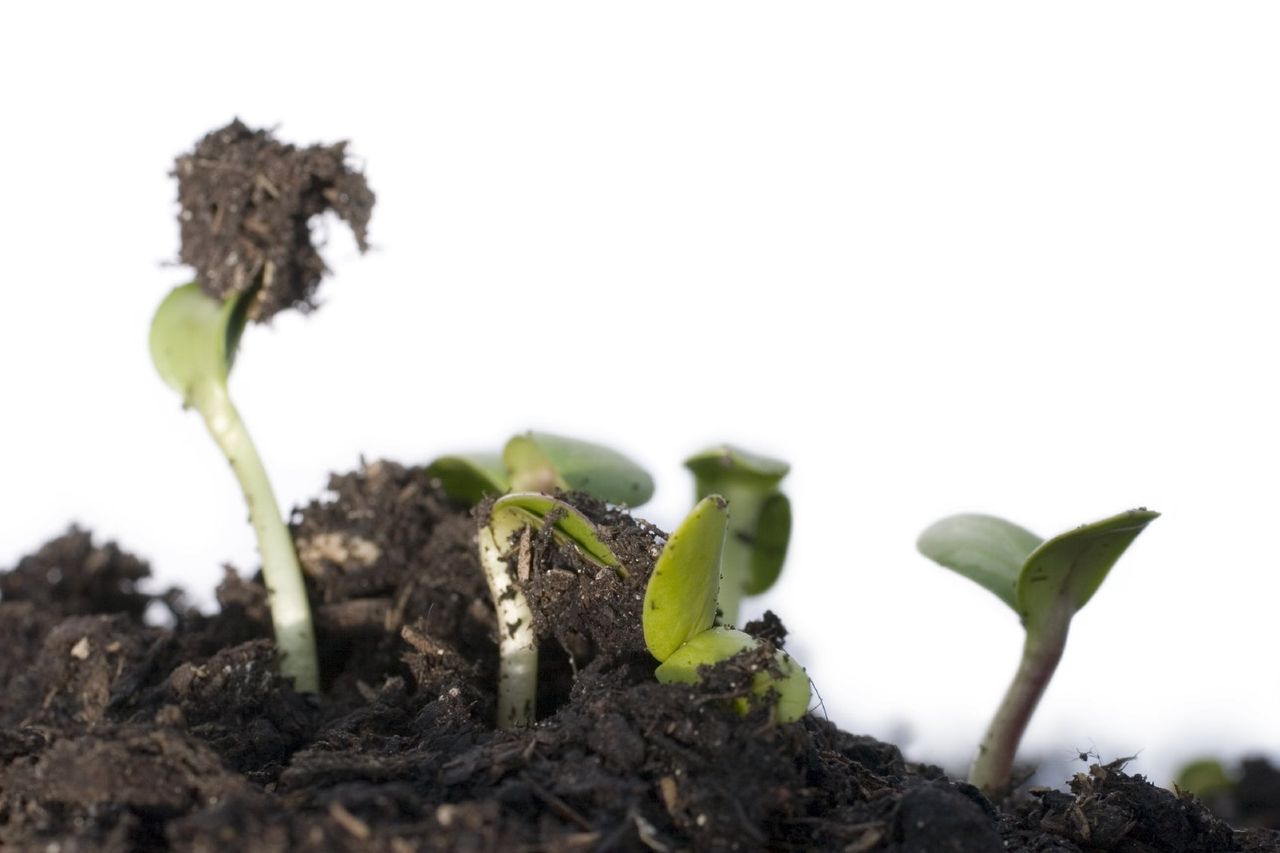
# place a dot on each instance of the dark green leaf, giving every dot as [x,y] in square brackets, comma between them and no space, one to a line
[769,545]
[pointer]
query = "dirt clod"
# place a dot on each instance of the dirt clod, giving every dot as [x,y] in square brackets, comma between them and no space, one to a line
[247,201]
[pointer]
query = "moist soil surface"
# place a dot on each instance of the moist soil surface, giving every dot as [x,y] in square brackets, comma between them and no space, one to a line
[116,734]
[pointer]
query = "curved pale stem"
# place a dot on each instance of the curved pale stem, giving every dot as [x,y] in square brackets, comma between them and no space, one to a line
[517,641]
[286,595]
[1040,655]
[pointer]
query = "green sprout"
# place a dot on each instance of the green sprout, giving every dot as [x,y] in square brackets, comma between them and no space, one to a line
[759,519]
[193,345]
[680,605]
[1045,582]
[542,462]
[520,513]
[469,477]
[1204,777]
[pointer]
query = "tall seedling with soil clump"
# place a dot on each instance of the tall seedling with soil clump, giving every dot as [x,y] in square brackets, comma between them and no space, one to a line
[246,204]
[1045,582]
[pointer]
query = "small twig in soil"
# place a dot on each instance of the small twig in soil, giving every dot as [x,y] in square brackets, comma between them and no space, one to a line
[352,824]
[558,805]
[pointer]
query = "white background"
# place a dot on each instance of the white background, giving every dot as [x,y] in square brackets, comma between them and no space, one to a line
[1017,258]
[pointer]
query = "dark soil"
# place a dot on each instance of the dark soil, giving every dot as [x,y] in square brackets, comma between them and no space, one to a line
[247,201]
[116,735]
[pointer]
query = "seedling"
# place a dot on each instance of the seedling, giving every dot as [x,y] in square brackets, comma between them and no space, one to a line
[680,605]
[469,477]
[1045,582]
[517,639]
[193,345]
[759,520]
[541,462]
[1204,777]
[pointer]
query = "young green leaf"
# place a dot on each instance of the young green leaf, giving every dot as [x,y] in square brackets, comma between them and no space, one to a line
[1204,777]
[719,644]
[469,477]
[1074,564]
[542,462]
[193,344]
[194,338]
[759,519]
[520,509]
[680,608]
[725,461]
[769,550]
[680,599]
[987,550]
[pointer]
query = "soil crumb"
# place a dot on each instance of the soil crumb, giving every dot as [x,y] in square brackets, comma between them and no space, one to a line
[72,576]
[247,200]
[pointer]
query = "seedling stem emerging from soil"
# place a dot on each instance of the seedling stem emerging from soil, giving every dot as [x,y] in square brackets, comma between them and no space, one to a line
[193,345]
[523,512]
[1045,582]
[759,520]
[680,605]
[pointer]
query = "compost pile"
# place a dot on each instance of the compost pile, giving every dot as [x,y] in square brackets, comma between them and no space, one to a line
[122,733]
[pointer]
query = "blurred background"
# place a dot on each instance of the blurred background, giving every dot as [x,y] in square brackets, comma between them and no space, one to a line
[1000,257]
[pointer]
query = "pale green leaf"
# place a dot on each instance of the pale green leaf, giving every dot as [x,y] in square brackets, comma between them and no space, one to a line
[680,599]
[987,550]
[194,337]
[1076,563]
[719,644]
[519,509]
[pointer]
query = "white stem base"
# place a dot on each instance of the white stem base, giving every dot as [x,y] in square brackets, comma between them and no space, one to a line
[517,641]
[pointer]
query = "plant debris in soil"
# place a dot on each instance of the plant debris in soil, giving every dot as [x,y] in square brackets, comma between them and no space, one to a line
[116,735]
[247,201]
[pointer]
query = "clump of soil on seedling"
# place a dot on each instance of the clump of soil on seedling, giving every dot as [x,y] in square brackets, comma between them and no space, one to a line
[116,735]
[247,203]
